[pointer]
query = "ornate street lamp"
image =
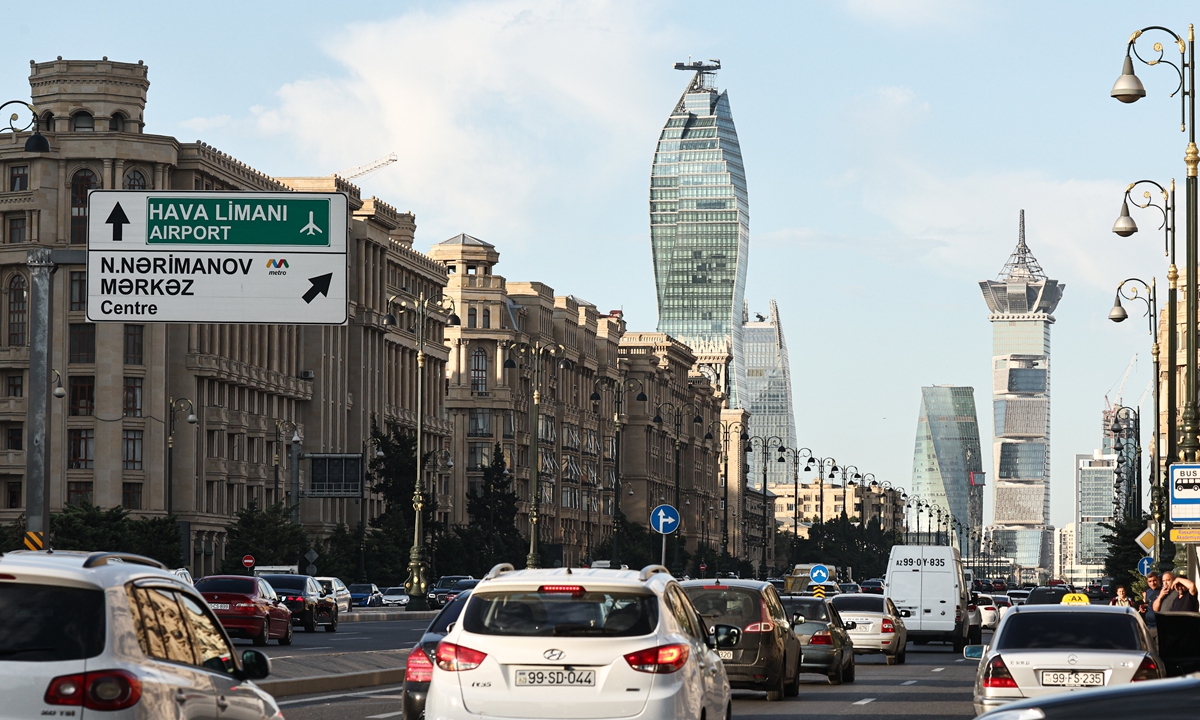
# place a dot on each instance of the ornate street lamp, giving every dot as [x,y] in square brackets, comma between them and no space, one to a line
[35,143]
[618,387]
[726,429]
[175,405]
[796,455]
[676,412]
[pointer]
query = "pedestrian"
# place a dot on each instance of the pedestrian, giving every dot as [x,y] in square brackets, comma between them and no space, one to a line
[1177,595]
[1153,588]
[1121,599]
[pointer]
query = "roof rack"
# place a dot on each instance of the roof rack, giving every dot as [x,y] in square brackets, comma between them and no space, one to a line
[103,558]
[649,570]
[498,570]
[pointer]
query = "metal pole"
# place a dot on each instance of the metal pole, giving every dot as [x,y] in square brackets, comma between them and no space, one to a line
[276,459]
[533,560]
[795,503]
[1161,473]
[763,543]
[37,509]
[1190,443]
[676,563]
[417,584]
[170,455]
[295,470]
[617,474]
[362,517]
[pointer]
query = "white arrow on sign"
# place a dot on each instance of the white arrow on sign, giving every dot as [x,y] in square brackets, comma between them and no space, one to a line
[664,519]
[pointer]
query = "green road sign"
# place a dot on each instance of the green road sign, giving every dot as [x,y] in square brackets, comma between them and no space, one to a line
[235,221]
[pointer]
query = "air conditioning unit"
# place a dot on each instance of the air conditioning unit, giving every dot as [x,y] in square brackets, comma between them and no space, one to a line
[307,374]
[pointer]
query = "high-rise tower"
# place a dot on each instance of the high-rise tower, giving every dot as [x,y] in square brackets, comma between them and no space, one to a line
[947,472]
[768,394]
[699,224]
[1021,301]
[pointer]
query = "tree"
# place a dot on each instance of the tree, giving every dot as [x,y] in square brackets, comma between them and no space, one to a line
[1123,552]
[88,528]
[638,545]
[269,535]
[491,536]
[12,537]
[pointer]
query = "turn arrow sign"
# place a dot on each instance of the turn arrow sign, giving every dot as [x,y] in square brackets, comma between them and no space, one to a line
[320,284]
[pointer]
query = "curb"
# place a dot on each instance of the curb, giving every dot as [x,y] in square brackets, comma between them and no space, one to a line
[387,615]
[329,683]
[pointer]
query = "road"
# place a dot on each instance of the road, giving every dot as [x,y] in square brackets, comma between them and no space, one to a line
[934,683]
[354,647]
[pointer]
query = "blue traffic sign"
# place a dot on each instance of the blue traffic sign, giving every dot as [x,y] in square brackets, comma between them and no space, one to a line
[664,519]
[1146,565]
[818,574]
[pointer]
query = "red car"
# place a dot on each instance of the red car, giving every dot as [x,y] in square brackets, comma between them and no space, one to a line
[999,585]
[247,607]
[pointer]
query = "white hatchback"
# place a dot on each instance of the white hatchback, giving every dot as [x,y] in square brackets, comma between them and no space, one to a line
[571,644]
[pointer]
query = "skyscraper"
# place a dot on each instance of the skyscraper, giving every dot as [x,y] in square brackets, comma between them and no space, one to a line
[699,224]
[947,472]
[768,393]
[1095,476]
[1021,301]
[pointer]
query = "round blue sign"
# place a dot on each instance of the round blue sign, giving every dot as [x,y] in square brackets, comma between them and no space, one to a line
[818,574]
[1146,565]
[664,519]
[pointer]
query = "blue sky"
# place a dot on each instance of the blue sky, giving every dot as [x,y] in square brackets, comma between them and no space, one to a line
[888,146]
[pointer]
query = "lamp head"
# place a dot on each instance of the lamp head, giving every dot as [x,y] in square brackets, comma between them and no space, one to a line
[60,392]
[641,396]
[1117,314]
[745,436]
[454,320]
[1124,226]
[1128,88]
[698,420]
[708,435]
[296,437]
[390,320]
[191,418]
[781,459]
[37,143]
[595,396]
[510,364]
[657,419]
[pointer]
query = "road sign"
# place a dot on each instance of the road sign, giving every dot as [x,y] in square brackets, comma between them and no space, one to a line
[311,555]
[1185,493]
[1146,565]
[311,569]
[818,574]
[168,256]
[664,519]
[1146,540]
[248,561]
[33,540]
[819,591]
[1185,535]
[703,567]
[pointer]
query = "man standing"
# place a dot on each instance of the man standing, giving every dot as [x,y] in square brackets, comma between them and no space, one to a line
[1154,587]
[1177,595]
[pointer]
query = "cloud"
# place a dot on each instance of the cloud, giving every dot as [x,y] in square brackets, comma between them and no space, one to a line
[204,124]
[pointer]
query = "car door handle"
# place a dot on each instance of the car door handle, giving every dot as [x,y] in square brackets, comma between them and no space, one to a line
[222,702]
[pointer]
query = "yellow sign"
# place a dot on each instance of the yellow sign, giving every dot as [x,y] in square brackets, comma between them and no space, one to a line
[1185,534]
[1146,540]
[819,591]
[33,540]
[1076,599]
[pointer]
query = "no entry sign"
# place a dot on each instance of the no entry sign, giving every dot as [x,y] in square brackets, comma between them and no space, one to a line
[248,561]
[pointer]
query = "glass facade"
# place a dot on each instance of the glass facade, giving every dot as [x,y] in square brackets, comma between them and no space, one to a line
[1095,477]
[700,223]
[947,471]
[768,395]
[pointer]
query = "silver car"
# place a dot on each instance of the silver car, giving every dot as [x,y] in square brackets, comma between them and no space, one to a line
[1040,650]
[878,627]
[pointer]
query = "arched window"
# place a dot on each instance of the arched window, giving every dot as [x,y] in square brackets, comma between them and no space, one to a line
[47,123]
[487,318]
[135,180]
[471,315]
[116,123]
[83,122]
[479,370]
[81,182]
[18,306]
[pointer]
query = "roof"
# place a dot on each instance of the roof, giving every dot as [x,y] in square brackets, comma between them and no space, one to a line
[104,570]
[465,239]
[603,576]
[731,582]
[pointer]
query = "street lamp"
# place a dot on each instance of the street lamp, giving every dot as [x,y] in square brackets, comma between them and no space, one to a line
[820,464]
[422,308]
[676,412]
[796,454]
[174,405]
[35,143]
[764,447]
[282,427]
[726,429]
[618,387]
[1126,426]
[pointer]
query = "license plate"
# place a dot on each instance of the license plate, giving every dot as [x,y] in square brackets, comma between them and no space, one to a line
[219,606]
[1061,678]
[543,677]
[725,654]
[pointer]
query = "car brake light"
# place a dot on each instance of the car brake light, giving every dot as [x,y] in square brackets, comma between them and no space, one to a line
[100,690]
[888,626]
[418,668]
[997,675]
[764,624]
[958,613]
[660,660]
[572,590]
[990,608]
[1148,670]
[456,658]
[821,637]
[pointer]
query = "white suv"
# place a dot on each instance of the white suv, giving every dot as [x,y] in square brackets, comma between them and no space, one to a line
[117,633]
[568,643]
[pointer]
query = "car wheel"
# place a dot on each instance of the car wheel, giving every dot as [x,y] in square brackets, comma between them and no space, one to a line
[776,693]
[729,711]
[849,674]
[263,635]
[976,636]
[332,626]
[901,657]
[287,636]
[310,621]
[792,689]
[959,643]
[835,677]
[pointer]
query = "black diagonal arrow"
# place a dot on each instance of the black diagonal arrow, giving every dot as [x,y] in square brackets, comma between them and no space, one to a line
[320,284]
[117,219]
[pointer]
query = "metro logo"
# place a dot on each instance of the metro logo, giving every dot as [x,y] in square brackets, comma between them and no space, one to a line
[280,263]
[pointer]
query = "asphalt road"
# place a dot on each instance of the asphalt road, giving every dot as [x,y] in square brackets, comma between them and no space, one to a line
[354,647]
[933,683]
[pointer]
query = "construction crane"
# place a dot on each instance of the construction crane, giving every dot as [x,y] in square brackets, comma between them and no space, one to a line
[354,172]
[1124,379]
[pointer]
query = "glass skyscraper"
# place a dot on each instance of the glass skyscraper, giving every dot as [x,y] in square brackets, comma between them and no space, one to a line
[768,394]
[1095,476]
[947,471]
[699,223]
[1021,301]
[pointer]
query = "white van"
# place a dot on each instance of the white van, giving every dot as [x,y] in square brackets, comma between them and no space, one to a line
[927,581]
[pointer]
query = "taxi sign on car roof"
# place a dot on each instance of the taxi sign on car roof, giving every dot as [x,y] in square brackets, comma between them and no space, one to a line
[1076,599]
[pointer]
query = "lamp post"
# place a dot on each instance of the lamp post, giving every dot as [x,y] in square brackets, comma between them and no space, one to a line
[764,446]
[1126,428]
[175,405]
[281,427]
[796,454]
[618,387]
[35,143]
[422,308]
[819,464]
[726,429]
[849,480]
[676,413]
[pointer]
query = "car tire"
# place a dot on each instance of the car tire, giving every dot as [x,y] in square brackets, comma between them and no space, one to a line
[792,689]
[848,675]
[959,643]
[310,621]
[836,677]
[901,656]
[263,635]
[975,636]
[332,626]
[775,694]
[287,636]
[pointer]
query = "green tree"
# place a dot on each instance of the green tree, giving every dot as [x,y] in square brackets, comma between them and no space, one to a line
[491,536]
[88,528]
[638,545]
[12,537]
[269,535]
[1123,553]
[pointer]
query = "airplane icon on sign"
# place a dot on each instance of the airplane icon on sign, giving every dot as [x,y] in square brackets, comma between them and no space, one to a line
[311,228]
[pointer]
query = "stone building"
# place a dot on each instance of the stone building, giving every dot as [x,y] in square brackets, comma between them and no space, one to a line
[129,385]
[883,504]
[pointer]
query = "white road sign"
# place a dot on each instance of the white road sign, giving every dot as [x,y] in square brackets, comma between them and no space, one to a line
[1185,493]
[189,257]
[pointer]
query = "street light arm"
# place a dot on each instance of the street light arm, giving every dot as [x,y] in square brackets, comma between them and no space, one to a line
[1158,48]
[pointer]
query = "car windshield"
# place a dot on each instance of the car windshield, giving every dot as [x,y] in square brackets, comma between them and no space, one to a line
[48,623]
[245,586]
[726,605]
[360,588]
[581,612]
[297,583]
[1068,631]
[983,600]
[395,591]
[1046,596]
[859,603]
[810,608]
[449,614]
[465,584]
[445,583]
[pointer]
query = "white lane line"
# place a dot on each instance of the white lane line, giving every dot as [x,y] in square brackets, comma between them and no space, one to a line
[938,669]
[961,660]
[384,715]
[909,682]
[391,688]
[319,647]
[864,701]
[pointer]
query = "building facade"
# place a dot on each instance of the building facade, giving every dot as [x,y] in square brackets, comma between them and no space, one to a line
[1095,480]
[768,392]
[1021,303]
[825,502]
[947,466]
[699,224]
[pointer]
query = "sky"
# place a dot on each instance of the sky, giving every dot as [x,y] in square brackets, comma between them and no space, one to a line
[889,146]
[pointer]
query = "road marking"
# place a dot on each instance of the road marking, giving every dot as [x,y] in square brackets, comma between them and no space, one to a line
[909,682]
[339,695]
[864,701]
[961,660]
[938,669]
[385,715]
[319,647]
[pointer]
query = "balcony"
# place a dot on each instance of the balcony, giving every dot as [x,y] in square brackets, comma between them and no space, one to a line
[216,469]
[14,357]
[12,461]
[13,407]
[214,415]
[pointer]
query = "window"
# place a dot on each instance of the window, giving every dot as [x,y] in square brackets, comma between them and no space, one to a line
[79,493]
[116,123]
[16,385]
[81,182]
[135,180]
[12,495]
[133,344]
[47,122]
[471,315]
[81,448]
[478,370]
[18,178]
[16,230]
[17,307]
[78,290]
[132,406]
[479,455]
[15,437]
[159,625]
[131,454]
[83,394]
[479,422]
[83,343]
[83,122]
[131,496]
[487,318]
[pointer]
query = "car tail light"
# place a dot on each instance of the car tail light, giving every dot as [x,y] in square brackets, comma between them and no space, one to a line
[958,613]
[660,660]
[990,608]
[1148,670]
[764,624]
[572,590]
[456,658]
[246,607]
[997,675]
[418,668]
[888,626]
[821,637]
[100,690]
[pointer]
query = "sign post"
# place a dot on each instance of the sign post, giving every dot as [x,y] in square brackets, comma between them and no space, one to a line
[247,561]
[664,520]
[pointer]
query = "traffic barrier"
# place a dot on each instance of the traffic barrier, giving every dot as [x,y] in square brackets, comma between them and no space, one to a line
[330,683]
[386,615]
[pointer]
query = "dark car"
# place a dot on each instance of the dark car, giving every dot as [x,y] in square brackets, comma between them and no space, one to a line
[365,595]
[767,655]
[981,585]
[1047,595]
[437,593]
[875,587]
[999,585]
[1172,699]
[459,588]
[418,671]
[827,646]
[850,587]
[309,604]
[247,607]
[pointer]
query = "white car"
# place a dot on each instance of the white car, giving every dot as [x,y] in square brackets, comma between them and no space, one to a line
[395,597]
[988,610]
[605,643]
[117,636]
[878,627]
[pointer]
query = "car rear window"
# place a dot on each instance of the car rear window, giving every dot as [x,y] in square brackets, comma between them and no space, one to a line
[725,605]
[465,584]
[858,603]
[611,613]
[811,609]
[395,591]
[1046,596]
[287,582]
[449,614]
[360,588]
[49,623]
[983,600]
[244,586]
[1068,631]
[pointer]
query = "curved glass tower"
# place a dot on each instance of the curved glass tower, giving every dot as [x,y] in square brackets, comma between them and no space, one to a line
[699,223]
[768,395]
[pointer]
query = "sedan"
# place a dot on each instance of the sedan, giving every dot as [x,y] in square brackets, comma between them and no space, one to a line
[309,604]
[850,587]
[878,627]
[418,670]
[999,585]
[1173,699]
[247,607]
[1041,650]
[365,595]
[1017,597]
[989,612]
[395,597]
[459,588]
[875,587]
[825,639]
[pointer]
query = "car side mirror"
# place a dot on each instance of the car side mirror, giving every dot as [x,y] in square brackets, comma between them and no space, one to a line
[974,652]
[255,665]
[797,619]
[727,635]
